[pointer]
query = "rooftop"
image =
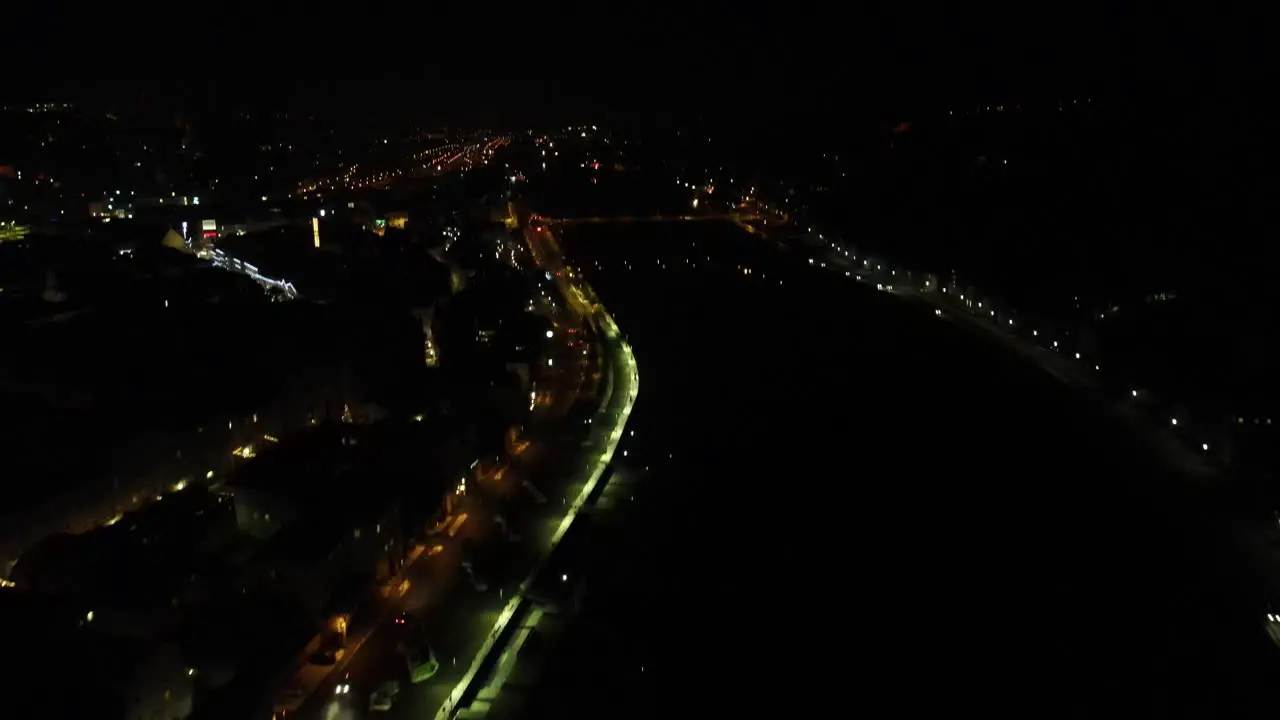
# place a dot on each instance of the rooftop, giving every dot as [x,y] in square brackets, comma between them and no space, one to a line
[298,466]
[53,276]
[99,378]
[148,555]
[48,633]
[338,476]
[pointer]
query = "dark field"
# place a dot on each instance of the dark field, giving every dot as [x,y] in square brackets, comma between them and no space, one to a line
[853,506]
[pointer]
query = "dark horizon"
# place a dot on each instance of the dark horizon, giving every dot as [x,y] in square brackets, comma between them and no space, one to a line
[548,66]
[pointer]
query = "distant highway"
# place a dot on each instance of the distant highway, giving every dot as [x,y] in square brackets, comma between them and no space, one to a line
[439,160]
[731,217]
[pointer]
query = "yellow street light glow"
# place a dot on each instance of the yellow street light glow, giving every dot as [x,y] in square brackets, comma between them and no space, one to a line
[627,360]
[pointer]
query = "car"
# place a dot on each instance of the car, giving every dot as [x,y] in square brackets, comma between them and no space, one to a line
[344,686]
[422,662]
[329,656]
[403,619]
[289,699]
[477,582]
[382,698]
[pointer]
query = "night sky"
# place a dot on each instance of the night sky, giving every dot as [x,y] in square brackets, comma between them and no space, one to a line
[508,62]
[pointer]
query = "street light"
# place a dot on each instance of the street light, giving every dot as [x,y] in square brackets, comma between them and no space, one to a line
[340,623]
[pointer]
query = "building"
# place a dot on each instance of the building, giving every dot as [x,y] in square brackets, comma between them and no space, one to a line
[119,265]
[140,572]
[122,408]
[335,508]
[72,668]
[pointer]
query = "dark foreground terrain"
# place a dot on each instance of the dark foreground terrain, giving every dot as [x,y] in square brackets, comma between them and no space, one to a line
[835,501]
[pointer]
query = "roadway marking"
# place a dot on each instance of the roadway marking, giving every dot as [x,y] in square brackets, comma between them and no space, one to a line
[507,662]
[457,524]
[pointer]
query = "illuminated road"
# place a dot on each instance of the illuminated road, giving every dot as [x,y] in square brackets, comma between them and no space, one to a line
[1066,367]
[641,218]
[442,159]
[600,453]
[465,625]
[608,428]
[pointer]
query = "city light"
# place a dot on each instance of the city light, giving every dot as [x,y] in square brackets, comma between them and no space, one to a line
[447,710]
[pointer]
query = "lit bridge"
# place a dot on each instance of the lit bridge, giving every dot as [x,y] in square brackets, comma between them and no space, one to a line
[730,217]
